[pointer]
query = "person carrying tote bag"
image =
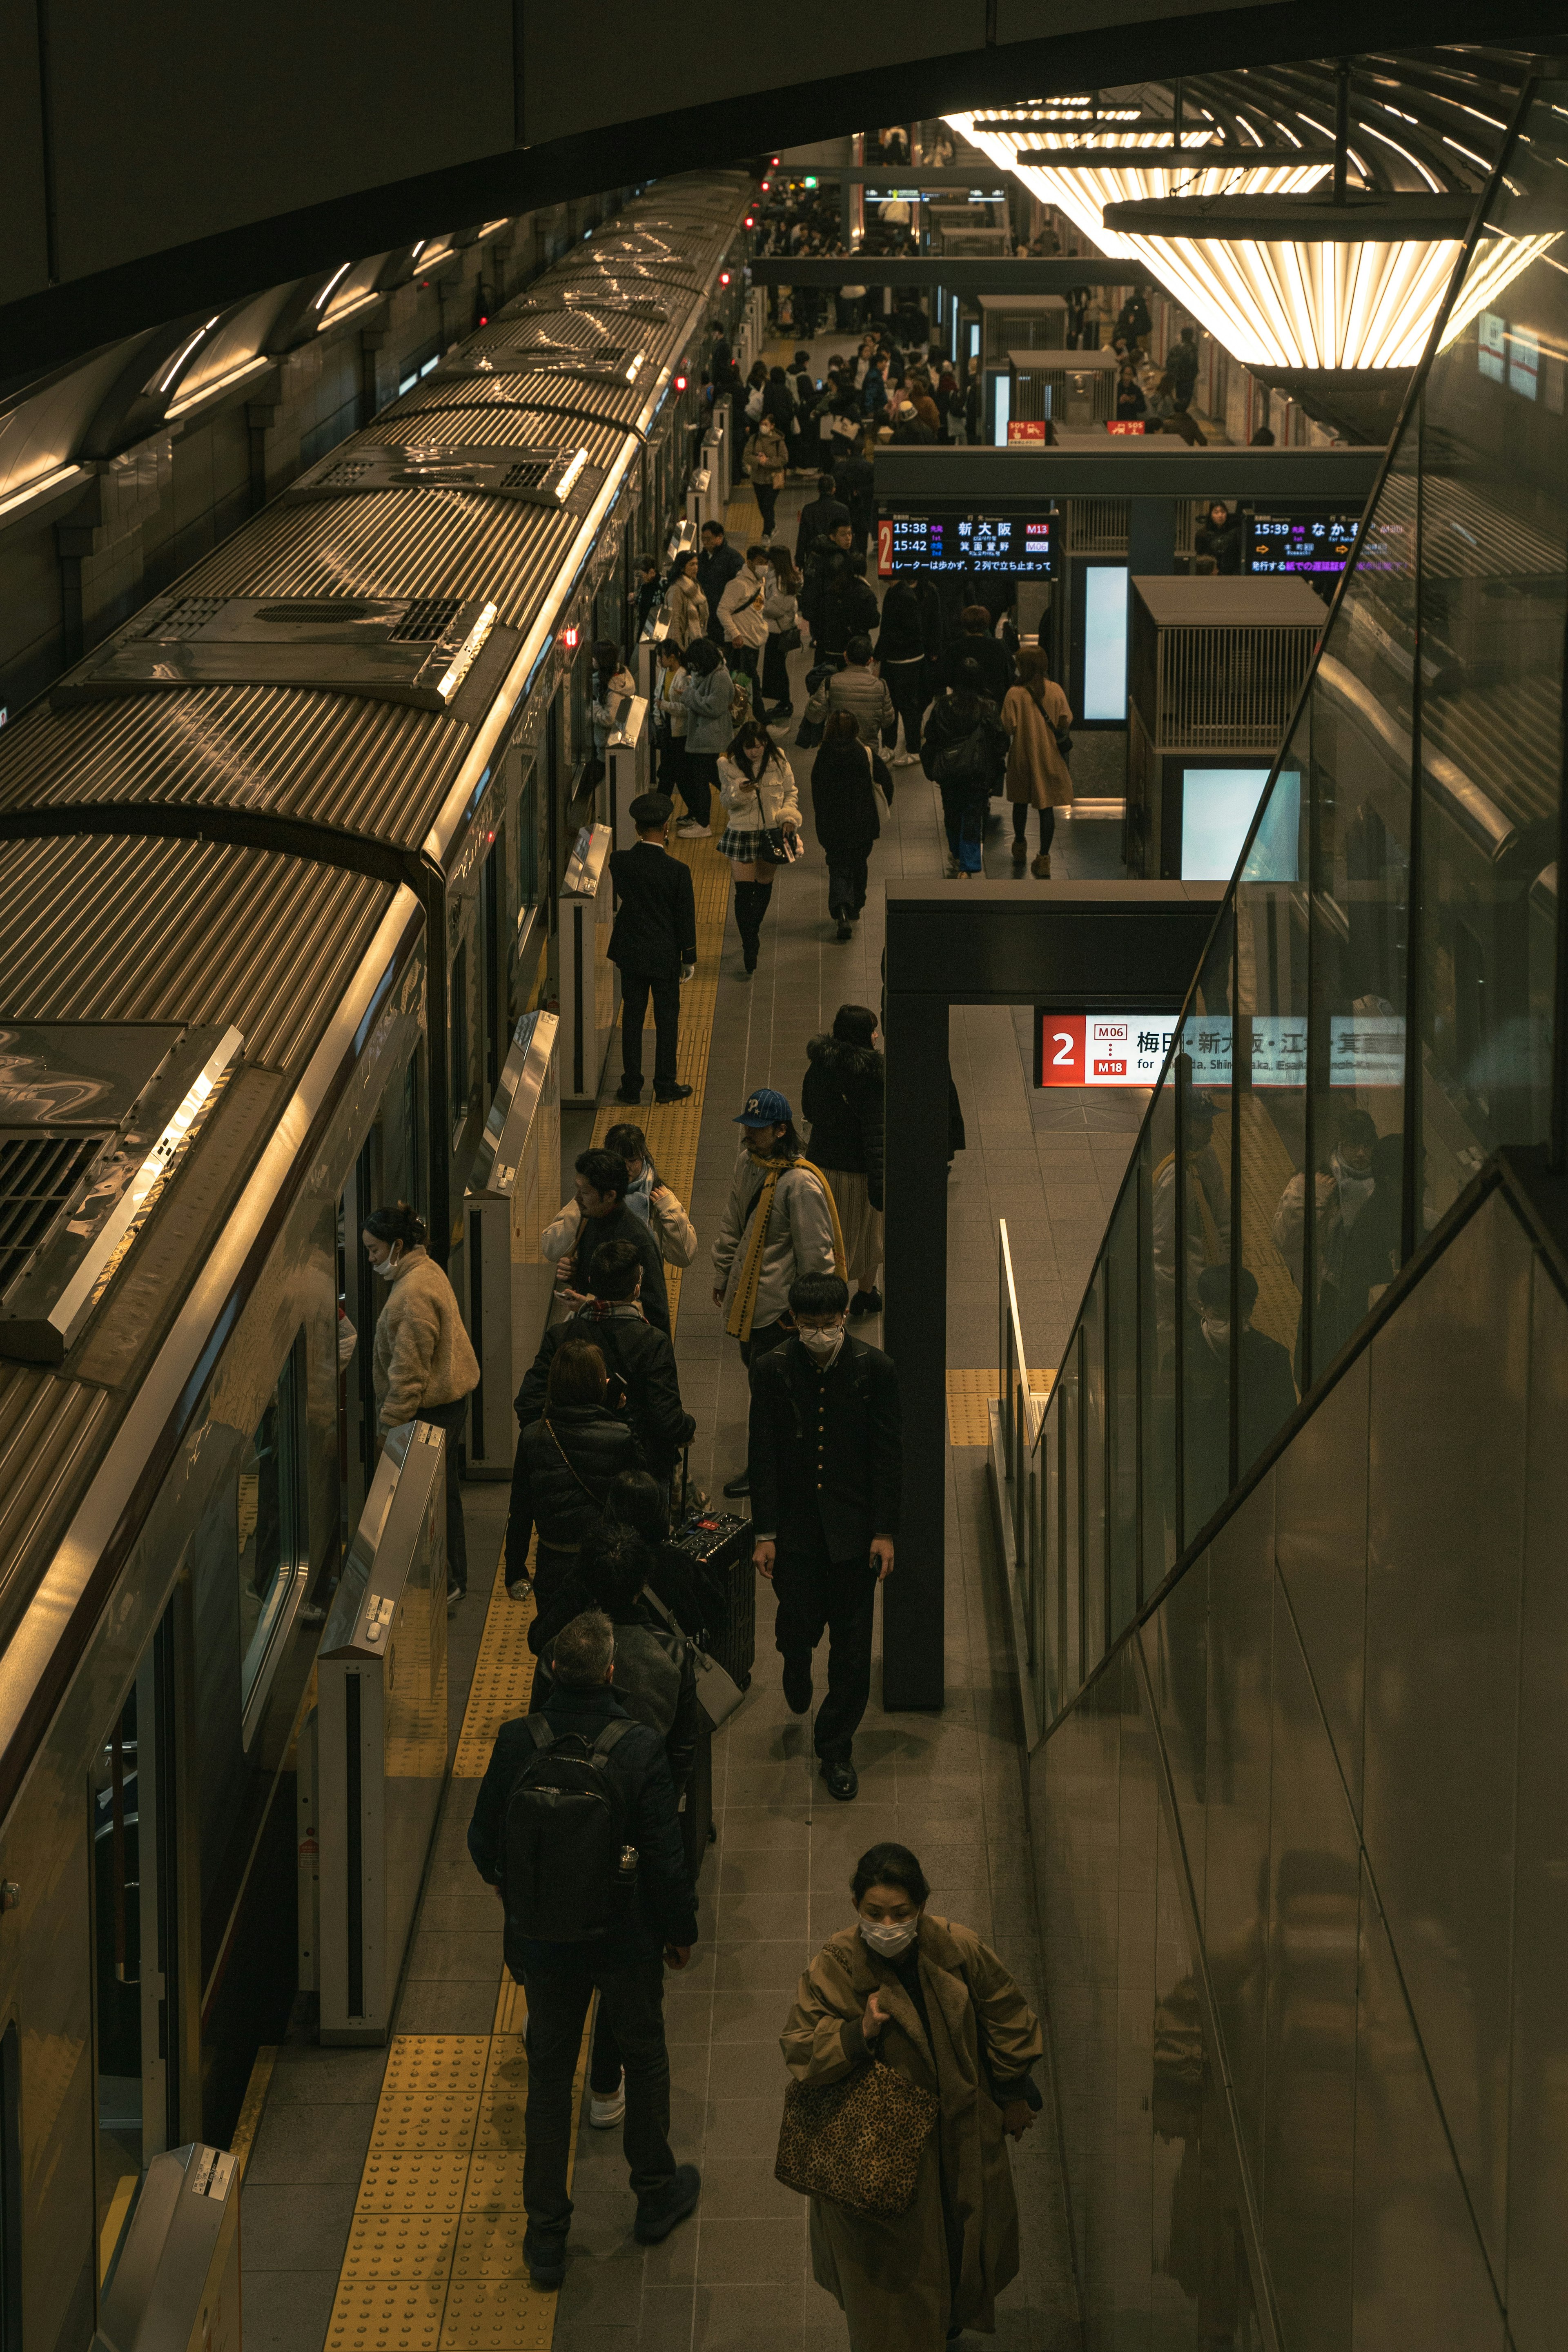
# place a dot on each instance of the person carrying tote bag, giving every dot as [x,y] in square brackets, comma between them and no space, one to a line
[902,1991]
[757,786]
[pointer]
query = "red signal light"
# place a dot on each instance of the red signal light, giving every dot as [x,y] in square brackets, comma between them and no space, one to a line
[680,384]
[766,185]
[569,638]
[748,222]
[723,277]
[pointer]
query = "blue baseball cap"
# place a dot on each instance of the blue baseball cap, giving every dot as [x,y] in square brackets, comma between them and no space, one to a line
[764,1108]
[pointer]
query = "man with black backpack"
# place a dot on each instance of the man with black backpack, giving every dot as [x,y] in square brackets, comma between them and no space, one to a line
[575,1826]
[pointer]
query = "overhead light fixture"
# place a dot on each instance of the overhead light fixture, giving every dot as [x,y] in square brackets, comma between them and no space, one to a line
[1276,302]
[336,278]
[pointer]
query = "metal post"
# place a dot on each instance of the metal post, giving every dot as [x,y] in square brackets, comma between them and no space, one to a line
[1342,127]
[916,1333]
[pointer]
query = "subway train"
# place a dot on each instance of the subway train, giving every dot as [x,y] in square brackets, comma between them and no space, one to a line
[278,871]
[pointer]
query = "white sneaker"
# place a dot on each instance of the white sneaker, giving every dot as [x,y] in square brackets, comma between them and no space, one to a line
[605,2114]
[908,760]
[689,832]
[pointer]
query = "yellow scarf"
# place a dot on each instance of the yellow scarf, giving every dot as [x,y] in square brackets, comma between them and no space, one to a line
[744,1306]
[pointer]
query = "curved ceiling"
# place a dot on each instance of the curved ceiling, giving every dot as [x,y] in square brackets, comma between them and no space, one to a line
[163,159]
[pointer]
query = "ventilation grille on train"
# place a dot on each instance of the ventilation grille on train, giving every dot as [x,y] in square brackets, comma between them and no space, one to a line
[558,479]
[95,1120]
[419,650]
[40,1176]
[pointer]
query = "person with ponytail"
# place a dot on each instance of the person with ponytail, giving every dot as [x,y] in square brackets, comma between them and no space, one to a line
[1036,714]
[757,786]
[425,1369]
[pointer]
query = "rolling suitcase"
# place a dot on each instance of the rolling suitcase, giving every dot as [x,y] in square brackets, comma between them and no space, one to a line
[722,1543]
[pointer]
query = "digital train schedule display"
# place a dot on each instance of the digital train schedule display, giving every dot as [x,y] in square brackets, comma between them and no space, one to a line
[1318,546]
[1023,545]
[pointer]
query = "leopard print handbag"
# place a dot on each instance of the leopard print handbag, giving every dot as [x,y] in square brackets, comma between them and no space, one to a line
[858,2142]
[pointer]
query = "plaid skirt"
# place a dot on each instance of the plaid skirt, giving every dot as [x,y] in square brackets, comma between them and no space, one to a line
[745,845]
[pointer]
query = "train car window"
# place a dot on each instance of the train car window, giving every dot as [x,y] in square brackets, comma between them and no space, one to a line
[528,846]
[273,1543]
[10,2190]
[492,1002]
[117,1946]
[462,1033]
[581,739]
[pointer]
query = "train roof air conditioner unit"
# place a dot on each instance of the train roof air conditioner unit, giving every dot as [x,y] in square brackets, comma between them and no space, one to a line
[558,479]
[433,653]
[95,1118]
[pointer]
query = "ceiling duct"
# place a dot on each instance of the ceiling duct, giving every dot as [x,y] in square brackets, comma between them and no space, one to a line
[94,1121]
[433,653]
[560,479]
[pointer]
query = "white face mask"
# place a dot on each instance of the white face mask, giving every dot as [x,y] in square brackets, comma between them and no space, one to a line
[822,1346]
[386,1270]
[889,1938]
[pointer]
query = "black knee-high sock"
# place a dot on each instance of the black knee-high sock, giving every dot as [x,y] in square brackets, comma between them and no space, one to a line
[750,906]
[760,902]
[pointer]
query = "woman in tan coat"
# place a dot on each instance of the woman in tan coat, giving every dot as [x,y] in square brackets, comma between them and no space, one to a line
[1034,712]
[927,1998]
[424,1365]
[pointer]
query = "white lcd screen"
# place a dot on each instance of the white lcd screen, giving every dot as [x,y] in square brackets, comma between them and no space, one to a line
[1217,808]
[1004,409]
[1105,642]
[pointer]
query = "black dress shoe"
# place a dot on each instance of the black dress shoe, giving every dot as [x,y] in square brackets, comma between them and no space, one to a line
[797,1689]
[629,1094]
[741,1485]
[544,2252]
[670,1094]
[659,2214]
[843,1781]
[866,1302]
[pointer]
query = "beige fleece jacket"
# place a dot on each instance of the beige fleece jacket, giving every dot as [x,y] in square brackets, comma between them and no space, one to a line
[422,1352]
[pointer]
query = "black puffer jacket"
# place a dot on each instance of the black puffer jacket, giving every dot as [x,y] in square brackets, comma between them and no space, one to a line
[945,726]
[565,1464]
[841,1095]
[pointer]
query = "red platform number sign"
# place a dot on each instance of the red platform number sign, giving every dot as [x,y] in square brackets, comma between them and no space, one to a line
[884,550]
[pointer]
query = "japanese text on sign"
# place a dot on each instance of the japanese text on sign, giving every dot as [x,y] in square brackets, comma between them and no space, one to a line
[1129,1049]
[1020,544]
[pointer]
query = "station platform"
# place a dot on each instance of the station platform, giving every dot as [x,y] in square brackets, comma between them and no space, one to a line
[382,2192]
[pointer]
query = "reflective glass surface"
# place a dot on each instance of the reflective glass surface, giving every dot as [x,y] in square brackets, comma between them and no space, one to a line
[1201,1244]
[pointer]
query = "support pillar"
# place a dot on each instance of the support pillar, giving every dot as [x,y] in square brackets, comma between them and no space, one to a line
[915,1327]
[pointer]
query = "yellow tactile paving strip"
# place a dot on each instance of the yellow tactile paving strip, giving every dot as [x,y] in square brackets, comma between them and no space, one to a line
[969,1400]
[435,2254]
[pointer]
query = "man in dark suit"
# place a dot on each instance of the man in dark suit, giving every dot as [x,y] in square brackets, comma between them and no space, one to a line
[827,1465]
[655,943]
[822,515]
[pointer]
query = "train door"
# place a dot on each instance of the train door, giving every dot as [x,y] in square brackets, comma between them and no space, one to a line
[390,1167]
[492,943]
[136,1944]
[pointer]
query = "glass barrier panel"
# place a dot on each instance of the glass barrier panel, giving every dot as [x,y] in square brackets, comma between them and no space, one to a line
[1339,1221]
[1091,1355]
[1203,1247]
[1157,1329]
[1271,1079]
[1493,518]
[1054,1595]
[1069,1472]
[1119,1276]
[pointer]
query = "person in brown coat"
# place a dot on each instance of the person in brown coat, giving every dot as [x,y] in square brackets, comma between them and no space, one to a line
[1036,714]
[927,1998]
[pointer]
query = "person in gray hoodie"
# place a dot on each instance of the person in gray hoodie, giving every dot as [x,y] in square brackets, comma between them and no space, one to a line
[705,693]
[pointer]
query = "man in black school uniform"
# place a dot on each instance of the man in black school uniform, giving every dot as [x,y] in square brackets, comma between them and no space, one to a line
[655,943]
[826,1467]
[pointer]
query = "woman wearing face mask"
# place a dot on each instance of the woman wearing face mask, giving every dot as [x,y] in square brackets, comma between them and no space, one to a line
[425,1369]
[905,1988]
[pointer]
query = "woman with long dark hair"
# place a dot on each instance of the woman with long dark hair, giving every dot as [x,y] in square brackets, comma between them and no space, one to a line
[423,1367]
[1036,714]
[964,752]
[757,786]
[705,695]
[902,1987]
[781,611]
[844,778]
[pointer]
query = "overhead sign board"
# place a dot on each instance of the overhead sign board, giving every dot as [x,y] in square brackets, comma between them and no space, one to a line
[1022,544]
[1129,1049]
